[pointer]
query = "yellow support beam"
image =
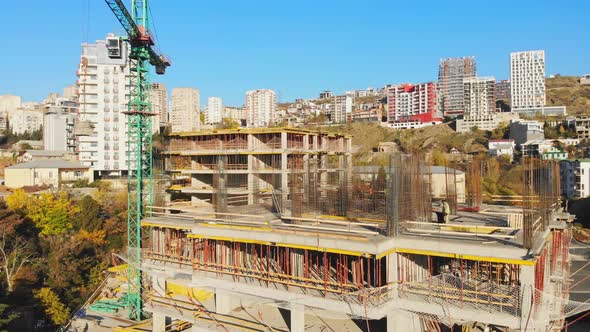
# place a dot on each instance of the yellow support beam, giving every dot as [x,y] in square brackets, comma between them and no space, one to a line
[530,262]
[154,224]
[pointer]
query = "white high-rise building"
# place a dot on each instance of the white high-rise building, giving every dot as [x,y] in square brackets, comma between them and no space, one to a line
[527,80]
[214,111]
[260,107]
[185,113]
[341,110]
[479,94]
[103,86]
[159,100]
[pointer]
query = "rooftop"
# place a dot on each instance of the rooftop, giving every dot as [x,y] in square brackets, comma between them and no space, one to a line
[49,163]
[484,234]
[46,153]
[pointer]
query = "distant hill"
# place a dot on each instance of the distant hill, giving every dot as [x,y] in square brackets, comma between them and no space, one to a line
[567,90]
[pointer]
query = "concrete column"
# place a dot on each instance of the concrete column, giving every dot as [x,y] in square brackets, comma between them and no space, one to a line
[284,176]
[527,281]
[250,176]
[223,302]
[403,321]
[392,273]
[283,141]
[250,140]
[158,322]
[297,318]
[348,145]
[323,174]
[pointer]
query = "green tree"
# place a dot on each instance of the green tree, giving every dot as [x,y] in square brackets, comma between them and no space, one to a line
[438,158]
[6,317]
[229,123]
[90,215]
[52,305]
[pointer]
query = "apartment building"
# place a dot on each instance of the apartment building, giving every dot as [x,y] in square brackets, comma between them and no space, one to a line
[486,122]
[412,106]
[527,81]
[341,109]
[159,100]
[583,127]
[23,120]
[103,87]
[522,131]
[70,92]
[326,94]
[479,96]
[260,107]
[451,73]
[58,125]
[185,112]
[214,110]
[575,178]
[9,103]
[237,114]
[503,90]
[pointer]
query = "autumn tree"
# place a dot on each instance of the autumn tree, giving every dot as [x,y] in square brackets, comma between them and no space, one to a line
[52,306]
[18,201]
[15,252]
[52,213]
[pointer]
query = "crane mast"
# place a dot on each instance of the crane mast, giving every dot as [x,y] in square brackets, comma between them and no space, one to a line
[139,135]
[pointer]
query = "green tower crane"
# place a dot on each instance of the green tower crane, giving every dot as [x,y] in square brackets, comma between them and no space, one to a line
[139,133]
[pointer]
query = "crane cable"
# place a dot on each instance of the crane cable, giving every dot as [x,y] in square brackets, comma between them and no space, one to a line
[153,21]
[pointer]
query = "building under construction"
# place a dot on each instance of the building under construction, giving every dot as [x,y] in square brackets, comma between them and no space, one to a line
[275,230]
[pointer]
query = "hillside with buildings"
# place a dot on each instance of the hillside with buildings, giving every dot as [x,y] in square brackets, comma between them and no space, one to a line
[446,199]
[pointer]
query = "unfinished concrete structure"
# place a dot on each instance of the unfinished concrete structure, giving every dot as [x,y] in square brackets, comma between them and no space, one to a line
[340,253]
[237,167]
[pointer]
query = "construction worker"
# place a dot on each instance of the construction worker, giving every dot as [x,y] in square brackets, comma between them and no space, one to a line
[446,210]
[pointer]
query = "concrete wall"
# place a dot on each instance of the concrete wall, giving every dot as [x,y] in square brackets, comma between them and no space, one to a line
[438,186]
[17,178]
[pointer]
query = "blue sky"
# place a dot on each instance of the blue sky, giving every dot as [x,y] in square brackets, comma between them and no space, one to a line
[298,48]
